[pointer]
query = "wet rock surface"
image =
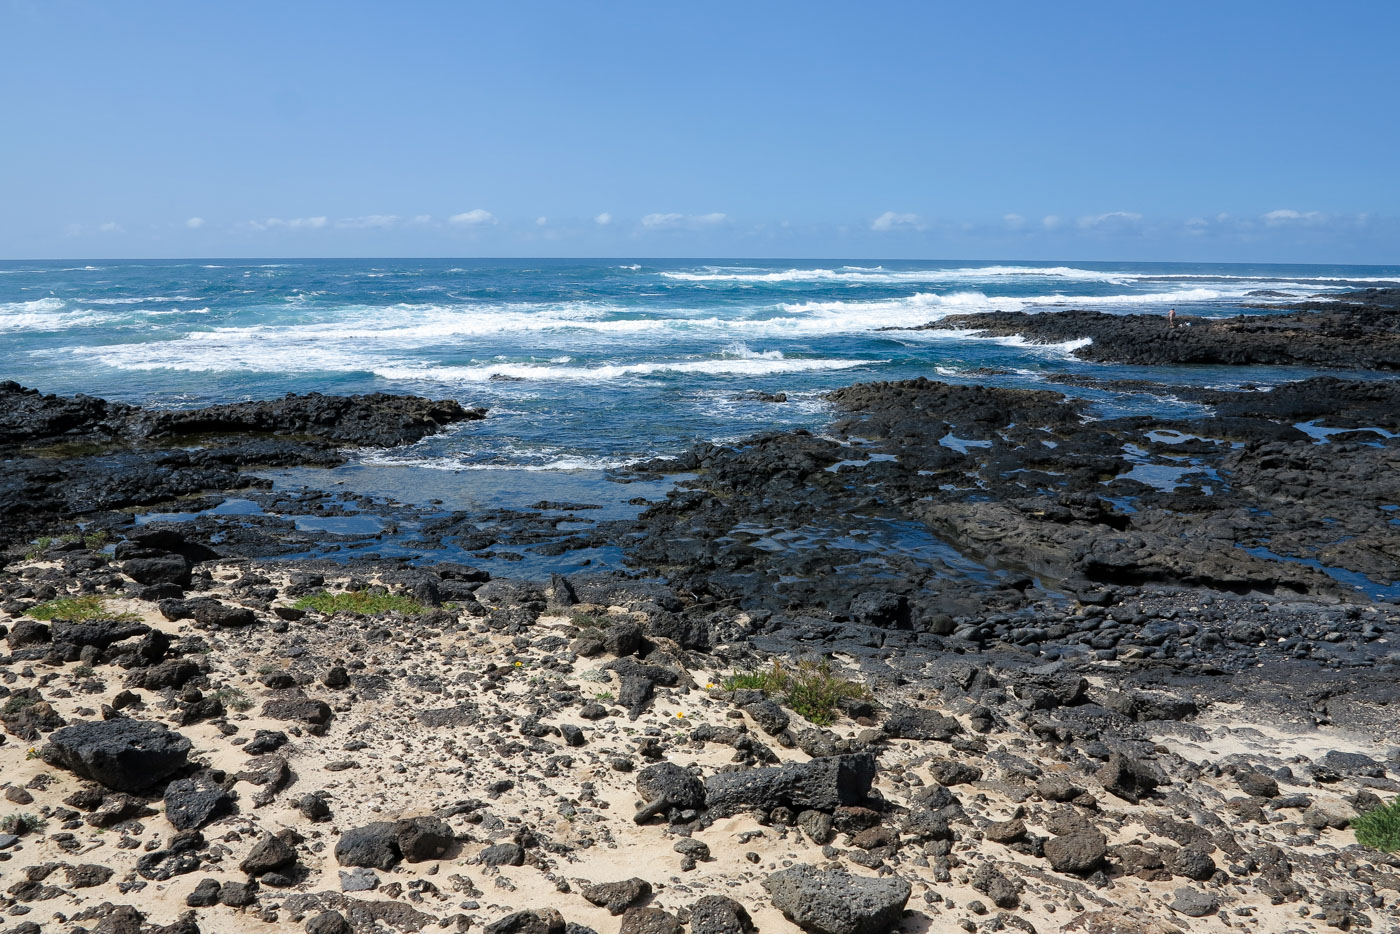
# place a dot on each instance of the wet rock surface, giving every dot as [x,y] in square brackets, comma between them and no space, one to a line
[1355,330]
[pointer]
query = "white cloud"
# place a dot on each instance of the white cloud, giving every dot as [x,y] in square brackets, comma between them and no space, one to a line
[422,219]
[891,220]
[295,223]
[1289,216]
[1051,221]
[1014,221]
[110,227]
[603,219]
[541,221]
[368,222]
[683,221]
[474,218]
[194,223]
[1113,219]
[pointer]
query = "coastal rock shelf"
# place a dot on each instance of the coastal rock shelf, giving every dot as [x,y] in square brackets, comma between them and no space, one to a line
[1355,331]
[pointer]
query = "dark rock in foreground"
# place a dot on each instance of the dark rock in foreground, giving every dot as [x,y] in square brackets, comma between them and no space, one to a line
[837,902]
[122,754]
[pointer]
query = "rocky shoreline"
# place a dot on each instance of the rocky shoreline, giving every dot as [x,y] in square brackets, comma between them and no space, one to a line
[1355,331]
[973,659]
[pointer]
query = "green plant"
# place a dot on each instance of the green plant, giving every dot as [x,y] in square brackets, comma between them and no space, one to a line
[83,671]
[233,698]
[810,687]
[20,824]
[363,602]
[79,609]
[44,543]
[590,620]
[603,696]
[16,703]
[1380,828]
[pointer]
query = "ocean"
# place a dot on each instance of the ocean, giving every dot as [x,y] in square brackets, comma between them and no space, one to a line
[586,365]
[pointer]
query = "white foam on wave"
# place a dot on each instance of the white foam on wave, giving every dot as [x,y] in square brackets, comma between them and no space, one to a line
[46,314]
[140,300]
[724,366]
[880,275]
[454,464]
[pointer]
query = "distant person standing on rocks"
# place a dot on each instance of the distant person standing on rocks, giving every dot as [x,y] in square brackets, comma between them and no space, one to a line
[1171,317]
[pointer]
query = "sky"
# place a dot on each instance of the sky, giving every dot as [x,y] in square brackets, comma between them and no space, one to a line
[1221,131]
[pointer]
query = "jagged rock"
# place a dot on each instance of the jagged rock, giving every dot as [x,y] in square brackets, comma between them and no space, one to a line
[650,921]
[206,893]
[328,922]
[771,718]
[1257,784]
[503,854]
[373,846]
[315,714]
[1128,778]
[617,897]
[192,803]
[1079,853]
[1194,903]
[905,722]
[122,754]
[268,854]
[716,914]
[836,902]
[543,921]
[665,786]
[821,784]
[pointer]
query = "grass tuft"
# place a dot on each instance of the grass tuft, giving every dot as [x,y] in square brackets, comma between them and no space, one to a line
[591,620]
[363,602]
[41,545]
[78,609]
[810,687]
[20,824]
[1380,828]
[234,698]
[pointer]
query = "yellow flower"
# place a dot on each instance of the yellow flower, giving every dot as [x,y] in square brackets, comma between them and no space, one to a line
[517,664]
[679,714]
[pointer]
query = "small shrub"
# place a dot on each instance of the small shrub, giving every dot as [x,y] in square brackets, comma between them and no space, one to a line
[590,621]
[83,671]
[17,702]
[602,696]
[234,698]
[41,545]
[811,688]
[1380,828]
[20,824]
[363,602]
[79,609]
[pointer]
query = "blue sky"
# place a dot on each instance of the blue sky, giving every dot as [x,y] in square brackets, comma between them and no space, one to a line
[1249,131]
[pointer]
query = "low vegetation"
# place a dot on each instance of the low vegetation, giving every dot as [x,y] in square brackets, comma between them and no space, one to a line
[41,545]
[78,609]
[234,698]
[1380,828]
[811,688]
[363,602]
[20,824]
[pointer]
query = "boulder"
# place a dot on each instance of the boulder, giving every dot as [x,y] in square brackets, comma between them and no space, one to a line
[821,785]
[823,902]
[192,803]
[122,754]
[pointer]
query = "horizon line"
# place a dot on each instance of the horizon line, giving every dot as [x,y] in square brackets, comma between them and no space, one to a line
[670,259]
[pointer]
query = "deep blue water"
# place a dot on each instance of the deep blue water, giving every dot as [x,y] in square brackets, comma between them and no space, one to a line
[584,364]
